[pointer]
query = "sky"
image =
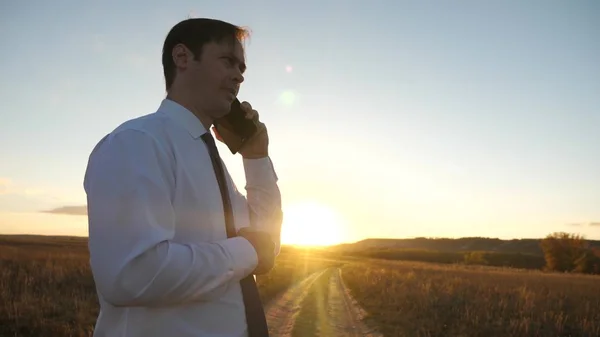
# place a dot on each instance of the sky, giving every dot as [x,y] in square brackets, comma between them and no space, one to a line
[386,118]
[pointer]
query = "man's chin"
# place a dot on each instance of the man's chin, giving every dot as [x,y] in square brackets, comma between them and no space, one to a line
[227,105]
[221,111]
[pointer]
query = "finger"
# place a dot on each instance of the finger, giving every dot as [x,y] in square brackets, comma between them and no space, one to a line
[253,114]
[261,127]
[246,106]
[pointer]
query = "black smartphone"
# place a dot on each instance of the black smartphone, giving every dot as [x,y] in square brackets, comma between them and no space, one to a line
[235,128]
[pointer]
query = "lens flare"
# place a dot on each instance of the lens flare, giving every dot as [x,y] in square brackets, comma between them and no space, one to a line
[287,97]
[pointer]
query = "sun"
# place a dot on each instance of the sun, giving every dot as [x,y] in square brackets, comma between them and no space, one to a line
[311,224]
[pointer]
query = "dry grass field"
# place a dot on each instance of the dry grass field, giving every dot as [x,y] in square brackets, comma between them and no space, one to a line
[47,289]
[419,299]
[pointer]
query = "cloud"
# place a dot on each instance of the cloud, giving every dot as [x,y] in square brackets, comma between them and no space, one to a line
[18,197]
[5,185]
[69,210]
[581,224]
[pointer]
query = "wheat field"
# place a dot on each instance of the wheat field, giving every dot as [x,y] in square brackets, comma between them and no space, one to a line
[420,299]
[46,289]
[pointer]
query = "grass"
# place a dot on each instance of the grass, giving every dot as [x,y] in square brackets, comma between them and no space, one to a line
[47,289]
[419,299]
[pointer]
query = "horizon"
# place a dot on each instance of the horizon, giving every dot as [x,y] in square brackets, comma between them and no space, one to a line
[335,244]
[388,120]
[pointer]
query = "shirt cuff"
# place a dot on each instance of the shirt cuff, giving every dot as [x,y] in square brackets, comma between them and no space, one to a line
[242,256]
[259,171]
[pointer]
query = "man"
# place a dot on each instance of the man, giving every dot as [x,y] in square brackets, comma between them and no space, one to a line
[161,207]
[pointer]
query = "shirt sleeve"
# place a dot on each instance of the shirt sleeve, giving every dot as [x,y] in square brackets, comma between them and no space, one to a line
[263,198]
[130,183]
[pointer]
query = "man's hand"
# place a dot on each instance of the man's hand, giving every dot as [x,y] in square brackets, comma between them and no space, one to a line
[257,146]
[264,247]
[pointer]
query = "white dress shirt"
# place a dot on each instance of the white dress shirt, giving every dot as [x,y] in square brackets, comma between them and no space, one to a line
[159,253]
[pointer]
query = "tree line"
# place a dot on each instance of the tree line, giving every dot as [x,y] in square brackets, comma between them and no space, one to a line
[562,252]
[566,252]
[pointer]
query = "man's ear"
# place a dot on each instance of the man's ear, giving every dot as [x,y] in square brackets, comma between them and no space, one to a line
[181,56]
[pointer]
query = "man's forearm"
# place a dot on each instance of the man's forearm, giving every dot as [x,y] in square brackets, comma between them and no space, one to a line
[170,273]
[264,197]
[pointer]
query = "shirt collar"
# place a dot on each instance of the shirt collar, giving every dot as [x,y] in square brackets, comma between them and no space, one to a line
[183,117]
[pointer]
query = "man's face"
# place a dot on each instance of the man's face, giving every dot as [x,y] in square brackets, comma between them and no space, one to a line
[214,80]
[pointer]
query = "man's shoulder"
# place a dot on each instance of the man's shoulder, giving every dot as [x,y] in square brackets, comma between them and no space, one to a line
[134,141]
[150,128]
[152,124]
[156,126]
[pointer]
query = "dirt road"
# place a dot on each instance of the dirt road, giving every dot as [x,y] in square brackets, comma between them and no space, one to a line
[296,313]
[283,310]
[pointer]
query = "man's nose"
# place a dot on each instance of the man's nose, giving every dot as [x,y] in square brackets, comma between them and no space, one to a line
[238,77]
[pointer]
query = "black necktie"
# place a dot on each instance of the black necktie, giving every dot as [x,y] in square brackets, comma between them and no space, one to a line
[255,314]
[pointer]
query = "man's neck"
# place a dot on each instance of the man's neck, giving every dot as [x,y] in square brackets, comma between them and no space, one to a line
[203,117]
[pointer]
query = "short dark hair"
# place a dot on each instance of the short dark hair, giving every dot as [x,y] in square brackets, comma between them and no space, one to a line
[194,33]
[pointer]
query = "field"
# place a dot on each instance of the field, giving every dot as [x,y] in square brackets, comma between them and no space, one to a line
[46,289]
[419,299]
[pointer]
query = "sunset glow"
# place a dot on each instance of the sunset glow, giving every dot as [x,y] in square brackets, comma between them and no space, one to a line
[311,224]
